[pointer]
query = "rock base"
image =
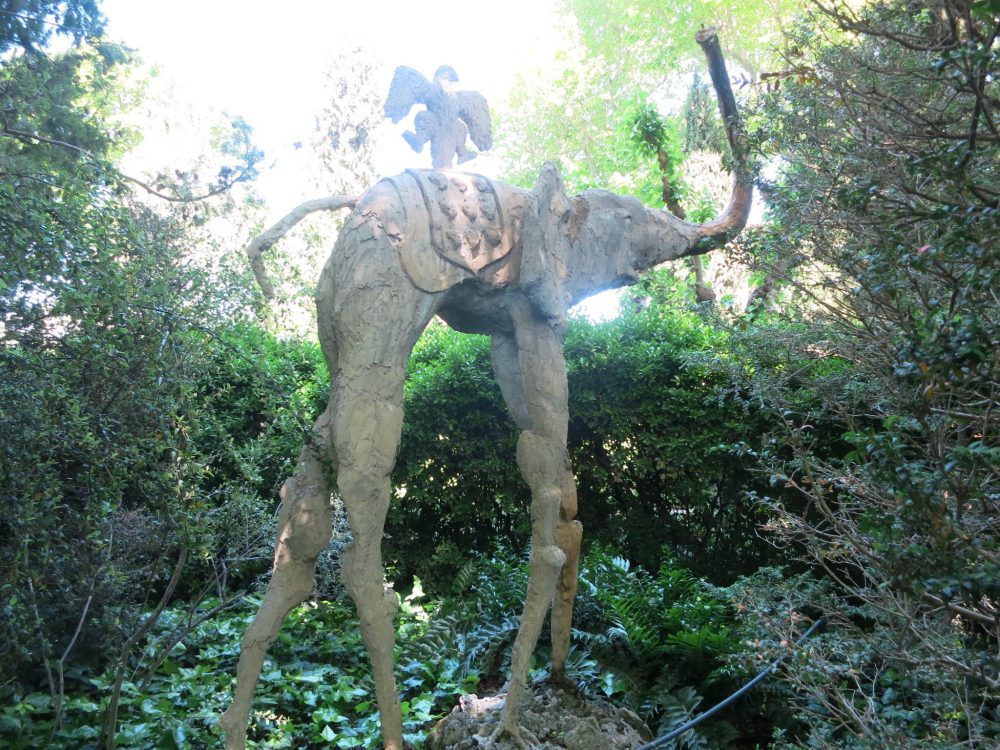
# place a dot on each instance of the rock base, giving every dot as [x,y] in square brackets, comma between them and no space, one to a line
[561,719]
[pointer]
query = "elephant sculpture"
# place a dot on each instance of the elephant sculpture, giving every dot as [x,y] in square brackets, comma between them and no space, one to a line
[487,258]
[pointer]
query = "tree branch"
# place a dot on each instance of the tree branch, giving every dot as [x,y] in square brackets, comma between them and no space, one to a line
[111,714]
[964,611]
[222,187]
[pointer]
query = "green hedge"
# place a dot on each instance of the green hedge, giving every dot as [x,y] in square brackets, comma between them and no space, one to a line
[662,445]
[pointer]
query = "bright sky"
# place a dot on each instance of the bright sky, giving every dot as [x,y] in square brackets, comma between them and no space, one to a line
[265,61]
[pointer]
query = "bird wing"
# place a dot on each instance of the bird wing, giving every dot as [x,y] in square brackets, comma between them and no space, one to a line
[472,108]
[408,87]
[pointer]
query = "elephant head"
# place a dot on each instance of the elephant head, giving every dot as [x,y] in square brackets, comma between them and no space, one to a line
[575,247]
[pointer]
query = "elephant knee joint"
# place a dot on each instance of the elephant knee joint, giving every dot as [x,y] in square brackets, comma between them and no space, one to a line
[365,488]
[551,557]
[305,544]
[541,456]
[305,524]
[366,584]
[545,465]
[569,535]
[303,538]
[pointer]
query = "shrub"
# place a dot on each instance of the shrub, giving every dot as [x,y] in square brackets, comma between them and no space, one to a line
[662,445]
[887,201]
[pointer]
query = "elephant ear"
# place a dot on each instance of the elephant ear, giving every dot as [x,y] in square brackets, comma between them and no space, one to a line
[550,192]
[545,245]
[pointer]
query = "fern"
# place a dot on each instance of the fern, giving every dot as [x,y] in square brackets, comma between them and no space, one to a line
[437,639]
[677,707]
[495,585]
[654,644]
[486,647]
[660,643]
[467,576]
[585,672]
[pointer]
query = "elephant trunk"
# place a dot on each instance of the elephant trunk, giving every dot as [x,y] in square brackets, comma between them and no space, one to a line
[732,219]
[734,216]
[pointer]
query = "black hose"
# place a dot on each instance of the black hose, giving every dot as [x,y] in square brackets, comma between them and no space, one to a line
[674,733]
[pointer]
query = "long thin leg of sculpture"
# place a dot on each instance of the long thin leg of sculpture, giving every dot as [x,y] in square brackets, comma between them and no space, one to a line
[367,428]
[569,536]
[370,322]
[304,527]
[530,368]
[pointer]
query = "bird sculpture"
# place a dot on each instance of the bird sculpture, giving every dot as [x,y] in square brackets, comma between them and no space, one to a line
[450,118]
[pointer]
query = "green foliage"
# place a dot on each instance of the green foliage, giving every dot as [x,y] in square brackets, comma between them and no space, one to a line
[120,462]
[657,643]
[184,442]
[315,688]
[577,109]
[455,479]
[56,119]
[702,129]
[475,625]
[657,437]
[649,130]
[663,645]
[654,135]
[29,26]
[255,397]
[660,37]
[559,118]
[854,669]
[887,205]
[96,362]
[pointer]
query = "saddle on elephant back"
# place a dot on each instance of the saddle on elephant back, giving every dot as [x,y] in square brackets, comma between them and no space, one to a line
[469,231]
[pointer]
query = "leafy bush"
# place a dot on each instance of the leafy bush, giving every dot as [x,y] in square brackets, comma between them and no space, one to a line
[256,398]
[887,203]
[457,485]
[118,483]
[658,438]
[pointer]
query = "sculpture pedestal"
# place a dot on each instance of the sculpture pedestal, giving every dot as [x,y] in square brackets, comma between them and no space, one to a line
[559,718]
